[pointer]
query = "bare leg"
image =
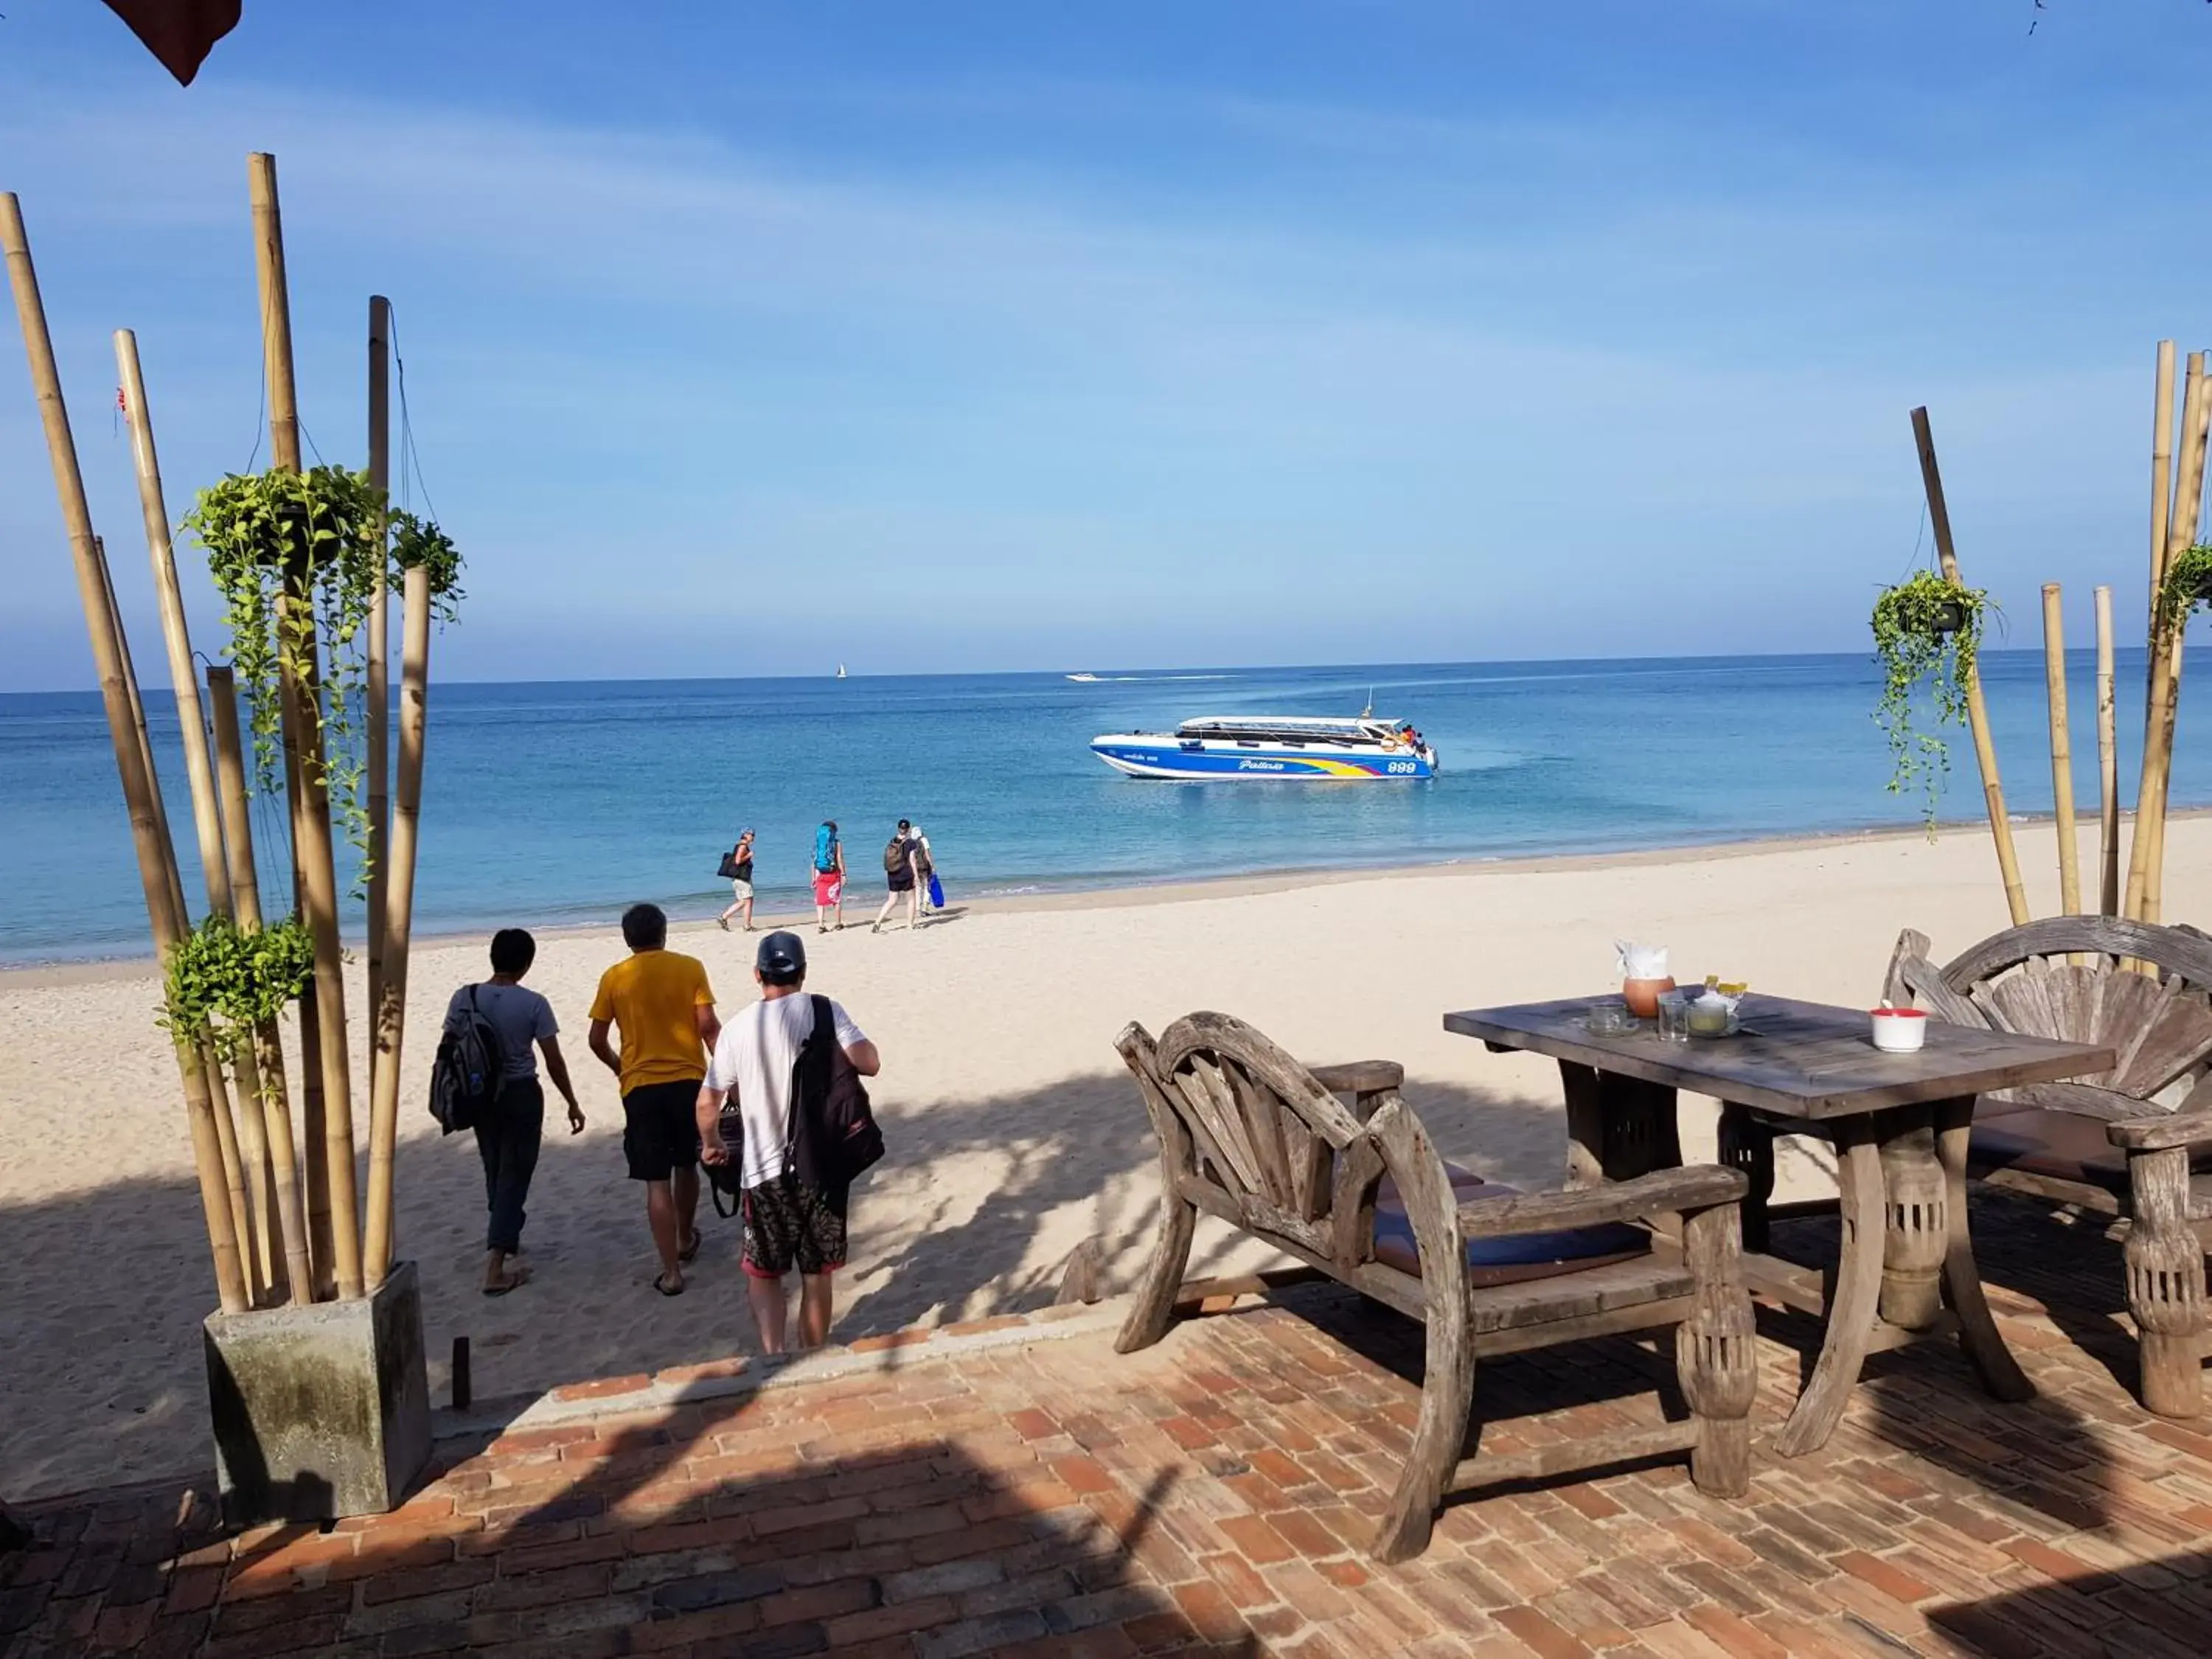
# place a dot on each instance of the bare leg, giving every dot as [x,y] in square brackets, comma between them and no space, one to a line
[768,1299]
[668,1231]
[883,914]
[813,1309]
[913,907]
[684,1189]
[748,909]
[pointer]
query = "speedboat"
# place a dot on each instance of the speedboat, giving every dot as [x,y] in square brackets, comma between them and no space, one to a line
[1273,746]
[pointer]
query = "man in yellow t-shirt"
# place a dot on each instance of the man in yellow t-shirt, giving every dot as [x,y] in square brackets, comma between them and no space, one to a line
[666,1009]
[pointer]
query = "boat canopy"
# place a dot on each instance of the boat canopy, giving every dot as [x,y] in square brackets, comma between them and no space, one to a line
[1293,728]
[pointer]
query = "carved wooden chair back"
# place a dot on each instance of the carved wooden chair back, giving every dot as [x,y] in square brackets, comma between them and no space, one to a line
[2063,977]
[1262,1130]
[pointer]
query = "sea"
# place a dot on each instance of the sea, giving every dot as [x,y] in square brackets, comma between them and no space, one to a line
[557,804]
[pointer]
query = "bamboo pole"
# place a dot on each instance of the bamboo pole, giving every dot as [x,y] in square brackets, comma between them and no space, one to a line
[2146,852]
[2062,752]
[264,1262]
[1977,714]
[2108,765]
[380,689]
[310,846]
[226,1126]
[268,1051]
[137,786]
[2164,419]
[398,923]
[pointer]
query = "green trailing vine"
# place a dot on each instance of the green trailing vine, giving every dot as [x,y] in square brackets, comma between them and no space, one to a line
[295,551]
[222,981]
[2188,584]
[1926,633]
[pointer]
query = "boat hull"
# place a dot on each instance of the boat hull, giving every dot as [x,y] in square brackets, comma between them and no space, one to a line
[1214,762]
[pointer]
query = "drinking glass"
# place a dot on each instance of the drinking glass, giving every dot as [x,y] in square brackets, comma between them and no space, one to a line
[1674,1018]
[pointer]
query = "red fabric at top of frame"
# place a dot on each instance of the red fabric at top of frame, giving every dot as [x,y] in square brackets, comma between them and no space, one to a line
[180,33]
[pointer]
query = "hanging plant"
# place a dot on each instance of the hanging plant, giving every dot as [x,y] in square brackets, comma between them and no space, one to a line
[1926,632]
[222,981]
[324,535]
[418,544]
[2188,584]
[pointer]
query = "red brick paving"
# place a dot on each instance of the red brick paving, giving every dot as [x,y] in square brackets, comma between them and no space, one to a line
[1210,1496]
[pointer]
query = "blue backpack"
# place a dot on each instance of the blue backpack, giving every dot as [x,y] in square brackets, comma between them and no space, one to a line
[825,848]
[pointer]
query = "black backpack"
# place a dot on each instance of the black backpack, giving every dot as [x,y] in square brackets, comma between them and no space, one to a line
[832,1135]
[465,1078]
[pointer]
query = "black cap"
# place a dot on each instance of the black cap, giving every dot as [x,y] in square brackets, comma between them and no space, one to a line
[781,958]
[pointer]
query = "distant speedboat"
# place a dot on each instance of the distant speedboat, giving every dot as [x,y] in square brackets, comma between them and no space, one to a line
[1273,746]
[1083,680]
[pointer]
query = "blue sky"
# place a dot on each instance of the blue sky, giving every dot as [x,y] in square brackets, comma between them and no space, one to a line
[750,340]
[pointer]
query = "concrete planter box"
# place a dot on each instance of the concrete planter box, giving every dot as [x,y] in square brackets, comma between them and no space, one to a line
[320,1410]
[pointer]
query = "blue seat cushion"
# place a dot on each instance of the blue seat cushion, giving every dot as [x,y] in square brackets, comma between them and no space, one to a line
[1503,1261]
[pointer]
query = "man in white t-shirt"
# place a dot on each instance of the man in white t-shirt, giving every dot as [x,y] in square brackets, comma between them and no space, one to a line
[788,1223]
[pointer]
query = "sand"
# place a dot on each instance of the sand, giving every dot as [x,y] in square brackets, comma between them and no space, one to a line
[1014,1134]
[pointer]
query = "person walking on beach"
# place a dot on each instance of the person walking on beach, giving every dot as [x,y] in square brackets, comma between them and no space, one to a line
[740,867]
[661,1000]
[788,1223]
[898,876]
[508,1136]
[930,894]
[829,876]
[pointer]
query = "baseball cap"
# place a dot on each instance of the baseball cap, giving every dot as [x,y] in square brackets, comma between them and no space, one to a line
[781,958]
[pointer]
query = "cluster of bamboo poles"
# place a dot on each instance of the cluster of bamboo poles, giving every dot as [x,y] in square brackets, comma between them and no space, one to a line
[2177,506]
[283,1217]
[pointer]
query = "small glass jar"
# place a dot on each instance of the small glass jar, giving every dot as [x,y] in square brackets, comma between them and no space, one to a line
[1609,1018]
[1673,1016]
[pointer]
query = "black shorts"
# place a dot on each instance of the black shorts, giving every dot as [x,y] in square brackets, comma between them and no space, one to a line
[661,1129]
[790,1224]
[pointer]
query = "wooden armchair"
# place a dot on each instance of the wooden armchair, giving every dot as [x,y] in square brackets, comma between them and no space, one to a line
[1249,1135]
[2103,1144]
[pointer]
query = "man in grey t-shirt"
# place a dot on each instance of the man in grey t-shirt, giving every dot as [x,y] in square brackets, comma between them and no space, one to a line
[507,1137]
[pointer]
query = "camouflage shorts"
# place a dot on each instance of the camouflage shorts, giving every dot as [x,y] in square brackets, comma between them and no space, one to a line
[790,1224]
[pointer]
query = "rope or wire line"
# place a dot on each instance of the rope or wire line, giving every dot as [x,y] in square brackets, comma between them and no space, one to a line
[411,459]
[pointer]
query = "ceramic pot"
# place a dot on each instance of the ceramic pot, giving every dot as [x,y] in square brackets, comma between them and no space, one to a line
[1642,996]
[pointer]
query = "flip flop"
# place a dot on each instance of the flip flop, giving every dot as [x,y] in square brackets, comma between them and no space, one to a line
[690,1252]
[513,1281]
[662,1289]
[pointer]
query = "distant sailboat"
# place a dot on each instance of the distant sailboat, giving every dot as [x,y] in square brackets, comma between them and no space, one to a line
[841,671]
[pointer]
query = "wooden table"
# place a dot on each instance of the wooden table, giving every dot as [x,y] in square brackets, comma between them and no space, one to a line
[1898,1123]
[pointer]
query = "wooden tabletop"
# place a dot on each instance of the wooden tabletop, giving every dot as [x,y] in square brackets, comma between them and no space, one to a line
[1800,1059]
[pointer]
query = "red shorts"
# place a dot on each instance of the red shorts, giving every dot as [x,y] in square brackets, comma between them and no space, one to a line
[828,887]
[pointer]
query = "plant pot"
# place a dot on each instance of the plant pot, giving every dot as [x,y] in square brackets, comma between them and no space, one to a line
[2203,591]
[1642,996]
[1947,618]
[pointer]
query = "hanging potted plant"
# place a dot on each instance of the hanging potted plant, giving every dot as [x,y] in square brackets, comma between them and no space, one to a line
[2187,586]
[1926,633]
[297,557]
[224,984]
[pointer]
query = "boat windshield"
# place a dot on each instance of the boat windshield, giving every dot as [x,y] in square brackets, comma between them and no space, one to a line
[1290,729]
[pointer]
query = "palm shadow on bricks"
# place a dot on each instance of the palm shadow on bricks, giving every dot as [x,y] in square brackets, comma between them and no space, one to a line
[2159,1608]
[857,1516]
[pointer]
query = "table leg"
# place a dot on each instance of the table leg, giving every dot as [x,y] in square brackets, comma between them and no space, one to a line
[1618,1128]
[1917,1229]
[1859,1292]
[1748,1145]
[1962,1279]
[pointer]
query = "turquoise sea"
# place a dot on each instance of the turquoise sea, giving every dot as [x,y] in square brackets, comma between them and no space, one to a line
[558,803]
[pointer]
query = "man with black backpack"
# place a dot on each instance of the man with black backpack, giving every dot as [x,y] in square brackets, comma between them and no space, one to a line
[787,1070]
[488,1076]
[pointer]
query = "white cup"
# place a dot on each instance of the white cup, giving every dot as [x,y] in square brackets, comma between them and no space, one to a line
[1898,1031]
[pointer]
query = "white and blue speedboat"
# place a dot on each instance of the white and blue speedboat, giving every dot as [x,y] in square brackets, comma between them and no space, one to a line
[1271,746]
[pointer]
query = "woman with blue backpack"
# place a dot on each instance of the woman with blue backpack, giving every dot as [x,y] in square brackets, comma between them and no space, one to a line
[829,876]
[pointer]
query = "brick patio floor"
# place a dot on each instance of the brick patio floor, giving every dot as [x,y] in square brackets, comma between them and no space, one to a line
[1019,1488]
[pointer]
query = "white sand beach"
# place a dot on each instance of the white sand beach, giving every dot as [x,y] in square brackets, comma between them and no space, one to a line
[1014,1133]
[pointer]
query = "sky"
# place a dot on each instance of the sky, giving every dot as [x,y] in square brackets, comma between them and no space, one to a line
[752,339]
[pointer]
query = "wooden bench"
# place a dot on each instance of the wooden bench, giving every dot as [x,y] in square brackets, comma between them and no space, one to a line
[2103,1144]
[1249,1135]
